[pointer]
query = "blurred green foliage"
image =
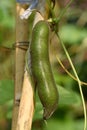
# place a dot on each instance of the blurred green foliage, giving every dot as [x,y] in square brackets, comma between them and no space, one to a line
[72,34]
[6,14]
[7,22]
[6,90]
[69,115]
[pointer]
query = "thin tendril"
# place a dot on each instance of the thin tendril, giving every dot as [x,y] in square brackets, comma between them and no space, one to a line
[79,82]
[73,77]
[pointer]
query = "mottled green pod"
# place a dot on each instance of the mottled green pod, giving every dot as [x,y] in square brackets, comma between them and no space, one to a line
[41,68]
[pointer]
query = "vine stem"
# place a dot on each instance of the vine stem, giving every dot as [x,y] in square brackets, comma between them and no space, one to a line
[79,82]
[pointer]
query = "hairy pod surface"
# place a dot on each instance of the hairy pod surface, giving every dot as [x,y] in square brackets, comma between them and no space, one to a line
[41,68]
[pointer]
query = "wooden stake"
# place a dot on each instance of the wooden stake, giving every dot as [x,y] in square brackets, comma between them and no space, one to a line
[21,36]
[26,109]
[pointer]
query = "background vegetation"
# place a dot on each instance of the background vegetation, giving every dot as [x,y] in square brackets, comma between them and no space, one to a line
[73,32]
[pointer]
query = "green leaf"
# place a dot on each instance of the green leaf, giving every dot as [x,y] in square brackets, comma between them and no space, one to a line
[68,97]
[6,91]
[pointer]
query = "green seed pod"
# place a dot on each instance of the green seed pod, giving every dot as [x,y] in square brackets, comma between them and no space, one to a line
[41,68]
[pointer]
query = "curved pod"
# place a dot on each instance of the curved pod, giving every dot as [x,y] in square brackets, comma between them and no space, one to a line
[41,68]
